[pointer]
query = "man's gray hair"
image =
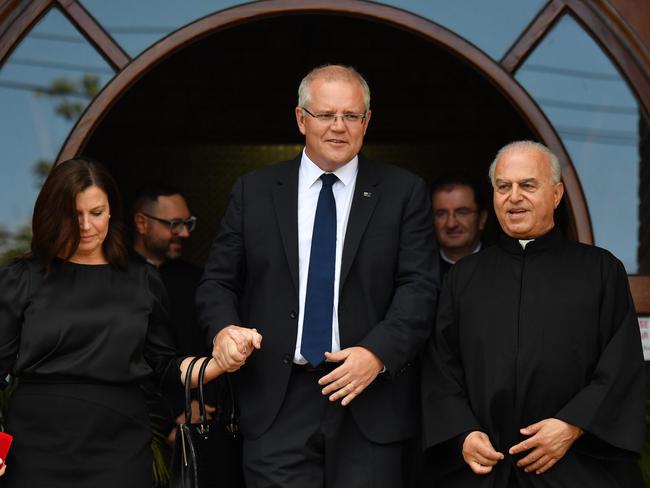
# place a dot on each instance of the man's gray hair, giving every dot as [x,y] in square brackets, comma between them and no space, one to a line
[556,170]
[332,72]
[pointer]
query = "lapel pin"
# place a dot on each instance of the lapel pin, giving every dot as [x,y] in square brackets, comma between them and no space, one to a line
[367,194]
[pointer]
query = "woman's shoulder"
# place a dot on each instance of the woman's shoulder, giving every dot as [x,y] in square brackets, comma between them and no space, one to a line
[19,268]
[17,275]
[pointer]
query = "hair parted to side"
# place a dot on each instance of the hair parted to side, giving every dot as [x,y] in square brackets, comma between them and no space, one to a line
[451,180]
[332,72]
[146,197]
[556,170]
[55,225]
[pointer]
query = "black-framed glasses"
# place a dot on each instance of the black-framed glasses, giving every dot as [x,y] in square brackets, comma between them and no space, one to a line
[329,118]
[176,225]
[461,213]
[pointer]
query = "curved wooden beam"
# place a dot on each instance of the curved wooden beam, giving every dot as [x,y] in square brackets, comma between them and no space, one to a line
[110,50]
[20,26]
[424,28]
[615,38]
[532,35]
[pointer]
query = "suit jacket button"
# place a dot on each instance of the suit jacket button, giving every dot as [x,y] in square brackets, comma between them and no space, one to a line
[286,359]
[293,314]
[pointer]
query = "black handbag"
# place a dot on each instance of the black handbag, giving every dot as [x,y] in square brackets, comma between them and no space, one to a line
[206,454]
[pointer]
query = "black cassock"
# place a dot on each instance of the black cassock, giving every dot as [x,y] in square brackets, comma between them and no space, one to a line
[525,335]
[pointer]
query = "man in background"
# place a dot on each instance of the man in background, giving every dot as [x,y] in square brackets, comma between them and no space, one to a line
[459,217]
[162,222]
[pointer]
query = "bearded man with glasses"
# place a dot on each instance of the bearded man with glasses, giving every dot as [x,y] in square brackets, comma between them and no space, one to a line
[161,223]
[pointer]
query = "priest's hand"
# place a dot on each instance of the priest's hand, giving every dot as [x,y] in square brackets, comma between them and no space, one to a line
[550,440]
[233,345]
[478,452]
[358,369]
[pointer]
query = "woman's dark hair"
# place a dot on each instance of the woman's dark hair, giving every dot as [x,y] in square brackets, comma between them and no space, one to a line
[55,225]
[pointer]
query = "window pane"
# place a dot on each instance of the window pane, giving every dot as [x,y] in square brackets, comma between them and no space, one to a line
[45,84]
[597,117]
[484,23]
[138,25]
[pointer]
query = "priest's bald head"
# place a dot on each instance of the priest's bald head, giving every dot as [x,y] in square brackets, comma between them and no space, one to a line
[526,178]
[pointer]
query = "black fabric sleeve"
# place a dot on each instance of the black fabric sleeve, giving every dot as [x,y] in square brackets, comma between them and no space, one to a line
[159,351]
[14,293]
[407,323]
[610,408]
[217,296]
[447,415]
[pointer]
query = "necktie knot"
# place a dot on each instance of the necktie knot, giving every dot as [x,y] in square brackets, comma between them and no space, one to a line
[329,179]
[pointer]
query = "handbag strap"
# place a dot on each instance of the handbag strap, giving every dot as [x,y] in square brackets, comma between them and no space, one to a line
[188,389]
[204,417]
[232,427]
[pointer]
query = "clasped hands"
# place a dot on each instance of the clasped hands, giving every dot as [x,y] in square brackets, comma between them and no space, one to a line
[548,442]
[359,367]
[233,345]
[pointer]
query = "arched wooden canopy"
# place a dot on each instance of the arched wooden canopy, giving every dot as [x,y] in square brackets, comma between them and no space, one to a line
[493,71]
[604,23]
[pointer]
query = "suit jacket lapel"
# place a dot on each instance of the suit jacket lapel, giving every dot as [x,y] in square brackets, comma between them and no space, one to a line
[364,201]
[285,199]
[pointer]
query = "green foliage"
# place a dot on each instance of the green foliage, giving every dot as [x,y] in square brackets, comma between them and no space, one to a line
[40,170]
[160,470]
[67,94]
[14,244]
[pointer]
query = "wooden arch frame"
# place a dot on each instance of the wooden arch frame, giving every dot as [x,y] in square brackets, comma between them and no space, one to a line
[494,72]
[604,24]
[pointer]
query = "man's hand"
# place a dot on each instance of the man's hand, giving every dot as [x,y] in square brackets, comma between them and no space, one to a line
[359,368]
[550,440]
[479,454]
[233,345]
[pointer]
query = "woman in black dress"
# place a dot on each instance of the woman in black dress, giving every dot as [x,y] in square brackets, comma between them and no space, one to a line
[80,327]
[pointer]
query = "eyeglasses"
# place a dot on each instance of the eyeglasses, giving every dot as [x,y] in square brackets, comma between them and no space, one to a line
[176,225]
[330,118]
[461,213]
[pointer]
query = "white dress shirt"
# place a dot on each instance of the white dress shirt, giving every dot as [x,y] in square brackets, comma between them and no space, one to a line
[309,186]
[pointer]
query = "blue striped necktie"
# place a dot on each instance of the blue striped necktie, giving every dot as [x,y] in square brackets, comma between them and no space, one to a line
[319,301]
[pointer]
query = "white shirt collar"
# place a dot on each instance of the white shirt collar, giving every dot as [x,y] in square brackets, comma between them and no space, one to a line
[310,172]
[524,242]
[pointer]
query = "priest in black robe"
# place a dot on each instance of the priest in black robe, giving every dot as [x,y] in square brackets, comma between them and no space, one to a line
[534,376]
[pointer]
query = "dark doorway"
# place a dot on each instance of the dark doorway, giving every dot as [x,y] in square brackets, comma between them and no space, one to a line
[224,105]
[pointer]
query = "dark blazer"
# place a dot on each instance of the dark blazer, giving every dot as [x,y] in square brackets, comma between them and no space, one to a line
[387,296]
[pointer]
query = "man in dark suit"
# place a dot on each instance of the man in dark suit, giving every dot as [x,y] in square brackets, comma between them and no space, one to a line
[331,258]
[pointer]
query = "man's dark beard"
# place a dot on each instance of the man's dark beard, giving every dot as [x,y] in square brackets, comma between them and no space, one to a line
[174,240]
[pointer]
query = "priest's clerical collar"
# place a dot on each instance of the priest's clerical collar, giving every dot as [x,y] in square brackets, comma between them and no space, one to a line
[523,242]
[539,244]
[446,258]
